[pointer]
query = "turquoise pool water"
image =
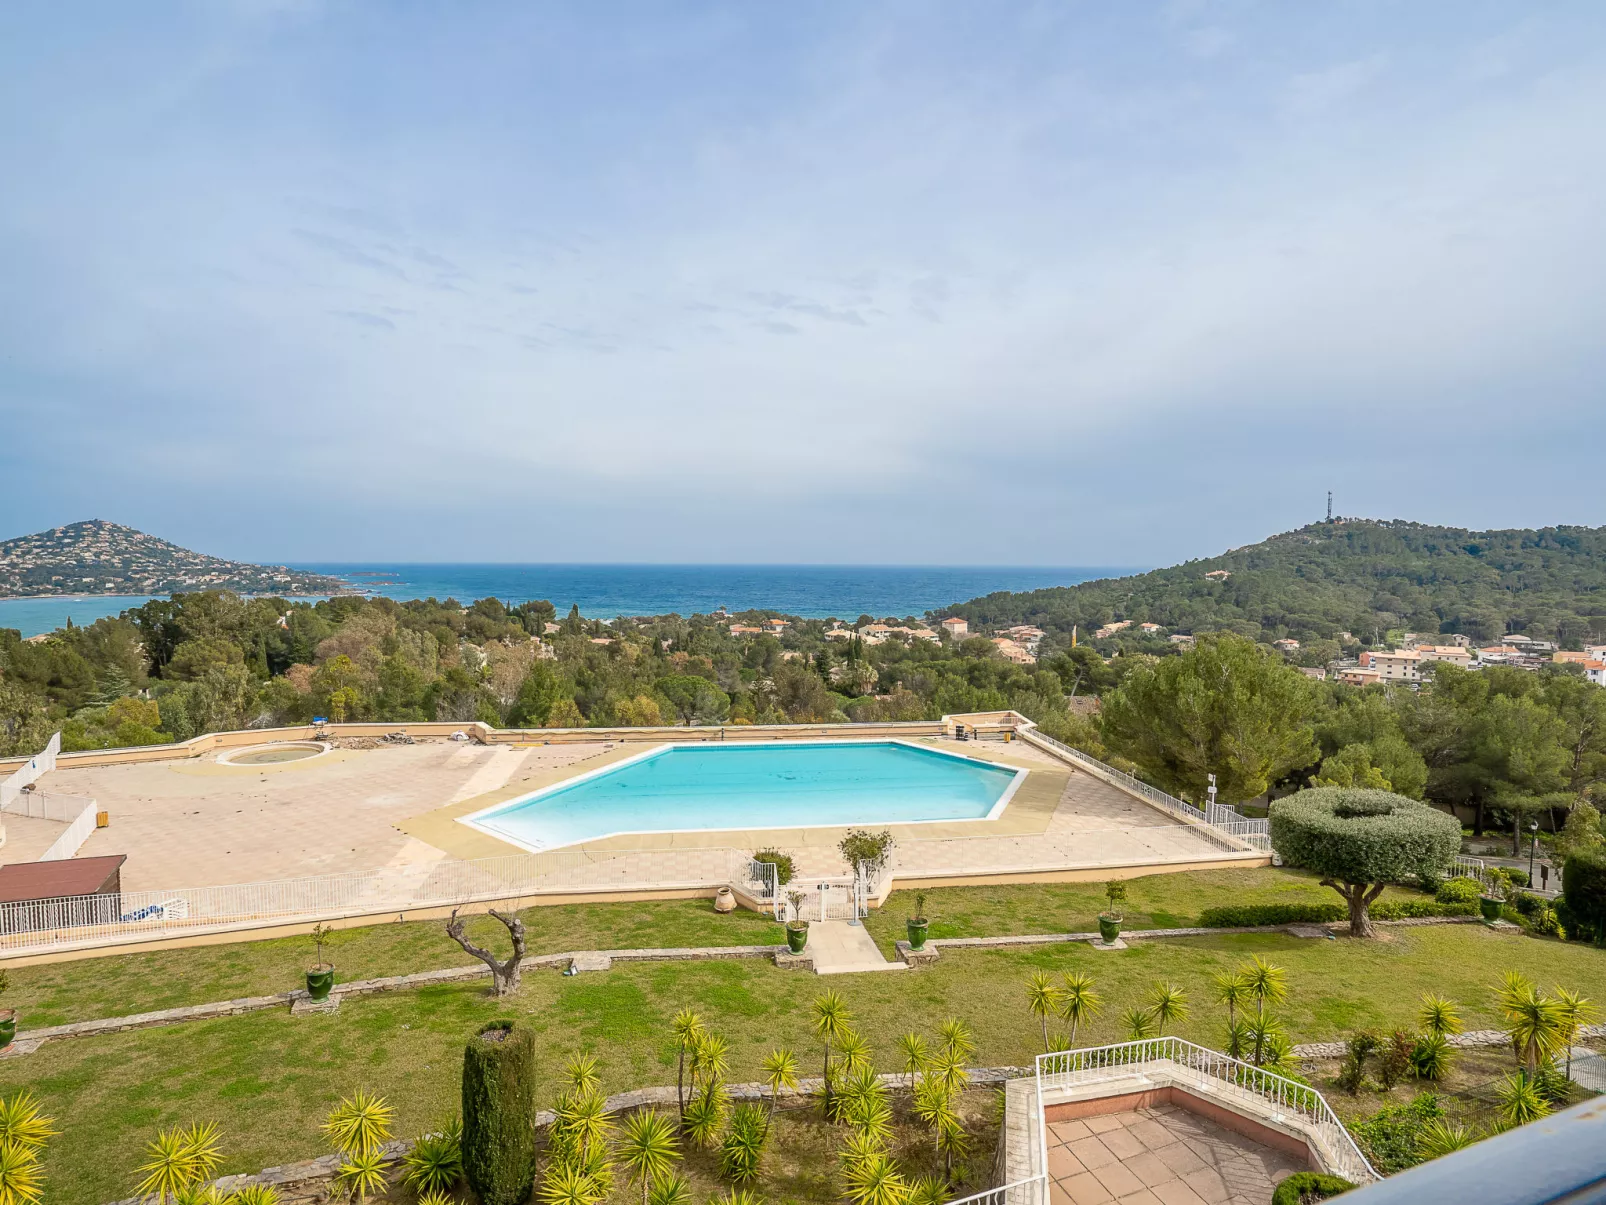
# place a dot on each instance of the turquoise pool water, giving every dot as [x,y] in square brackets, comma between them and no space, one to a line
[783,785]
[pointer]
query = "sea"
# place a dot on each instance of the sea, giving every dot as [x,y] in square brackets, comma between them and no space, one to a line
[606,591]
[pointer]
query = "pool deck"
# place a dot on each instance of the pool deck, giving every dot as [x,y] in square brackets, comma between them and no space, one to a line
[200,823]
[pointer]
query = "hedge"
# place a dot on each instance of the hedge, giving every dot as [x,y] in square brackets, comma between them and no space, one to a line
[1410,909]
[499,1072]
[1302,1187]
[1363,836]
[1583,887]
[1243,916]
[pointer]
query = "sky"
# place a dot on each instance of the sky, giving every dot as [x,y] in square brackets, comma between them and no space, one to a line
[1042,283]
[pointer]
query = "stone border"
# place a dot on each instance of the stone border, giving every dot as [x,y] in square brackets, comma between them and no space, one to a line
[1463,1041]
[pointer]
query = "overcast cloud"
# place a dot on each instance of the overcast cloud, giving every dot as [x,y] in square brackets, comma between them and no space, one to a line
[1046,283]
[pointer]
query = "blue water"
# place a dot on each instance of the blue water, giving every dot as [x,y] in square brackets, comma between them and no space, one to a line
[754,786]
[604,591]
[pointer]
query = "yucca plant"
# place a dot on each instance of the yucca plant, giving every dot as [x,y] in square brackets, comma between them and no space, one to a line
[649,1148]
[1535,1022]
[266,1194]
[435,1164]
[831,1021]
[1440,1137]
[934,1106]
[1138,1024]
[952,1140]
[1520,1100]
[710,1059]
[436,1197]
[581,1128]
[1231,989]
[860,1148]
[565,1184]
[1431,1056]
[1439,1016]
[176,1158]
[361,1174]
[1576,1012]
[359,1124]
[1168,1004]
[200,1194]
[737,1196]
[22,1125]
[875,1181]
[780,1072]
[705,1113]
[912,1050]
[928,1190]
[853,1053]
[686,1027]
[860,1095]
[582,1073]
[956,1039]
[1079,1003]
[22,1180]
[743,1149]
[1240,1042]
[1042,1000]
[671,1190]
[1268,984]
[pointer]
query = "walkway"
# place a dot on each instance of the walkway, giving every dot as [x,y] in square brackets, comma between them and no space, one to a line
[840,948]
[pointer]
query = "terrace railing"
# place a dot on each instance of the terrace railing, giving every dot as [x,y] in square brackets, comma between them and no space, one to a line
[1219,1075]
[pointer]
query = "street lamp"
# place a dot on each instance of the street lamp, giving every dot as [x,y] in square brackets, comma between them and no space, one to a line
[1533,852]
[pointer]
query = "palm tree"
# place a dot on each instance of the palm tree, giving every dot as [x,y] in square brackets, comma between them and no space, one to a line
[1267,984]
[1439,1016]
[1576,1012]
[1078,1001]
[1534,1021]
[831,1021]
[648,1147]
[686,1026]
[913,1048]
[1231,990]
[1168,1004]
[956,1040]
[780,1071]
[1042,998]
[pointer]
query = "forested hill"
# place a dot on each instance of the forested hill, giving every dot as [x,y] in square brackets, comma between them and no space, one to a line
[97,557]
[1363,576]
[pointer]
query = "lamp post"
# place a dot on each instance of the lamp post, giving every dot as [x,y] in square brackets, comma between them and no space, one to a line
[1533,851]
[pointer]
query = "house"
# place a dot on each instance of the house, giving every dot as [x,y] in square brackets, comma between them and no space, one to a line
[1454,653]
[956,628]
[1397,665]
[776,626]
[1595,652]
[745,629]
[1564,657]
[1285,645]
[1181,638]
[1024,633]
[1218,575]
[1018,653]
[1314,671]
[1150,629]
[1595,671]
[1357,676]
[1110,629]
[840,634]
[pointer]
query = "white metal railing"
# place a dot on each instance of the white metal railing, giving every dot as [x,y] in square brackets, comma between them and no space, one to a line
[766,877]
[1031,1191]
[45,805]
[35,768]
[1218,1074]
[99,920]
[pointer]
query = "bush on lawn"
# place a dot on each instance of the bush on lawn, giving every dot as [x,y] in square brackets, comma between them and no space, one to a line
[1411,909]
[1584,889]
[1389,1137]
[785,868]
[1305,1188]
[1243,916]
[1359,841]
[1459,891]
[498,1144]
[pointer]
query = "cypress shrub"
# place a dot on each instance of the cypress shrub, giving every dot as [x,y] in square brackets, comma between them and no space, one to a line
[1583,887]
[499,1113]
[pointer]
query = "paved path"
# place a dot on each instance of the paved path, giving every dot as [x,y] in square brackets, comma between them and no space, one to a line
[839,948]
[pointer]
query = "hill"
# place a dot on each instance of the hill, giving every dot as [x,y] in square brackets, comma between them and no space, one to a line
[96,557]
[1362,576]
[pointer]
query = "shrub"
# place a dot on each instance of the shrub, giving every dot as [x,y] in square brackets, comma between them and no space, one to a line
[1584,889]
[1243,916]
[874,850]
[1430,1057]
[785,868]
[1411,909]
[1395,1061]
[1389,1136]
[1359,840]
[498,1143]
[1525,902]
[1302,1188]
[1353,1072]
[1459,891]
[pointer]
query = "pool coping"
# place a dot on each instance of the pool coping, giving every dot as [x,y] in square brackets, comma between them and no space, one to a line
[475,820]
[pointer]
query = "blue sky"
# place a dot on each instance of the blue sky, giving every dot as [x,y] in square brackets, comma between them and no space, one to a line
[1051,283]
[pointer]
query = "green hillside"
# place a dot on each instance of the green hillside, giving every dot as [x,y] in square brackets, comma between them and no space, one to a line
[1363,576]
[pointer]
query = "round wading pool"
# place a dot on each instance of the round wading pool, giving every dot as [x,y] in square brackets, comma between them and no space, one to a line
[271,755]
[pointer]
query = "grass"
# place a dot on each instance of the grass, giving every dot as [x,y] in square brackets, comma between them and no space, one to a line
[268,1078]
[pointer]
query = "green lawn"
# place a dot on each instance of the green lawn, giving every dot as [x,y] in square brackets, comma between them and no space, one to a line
[267,1078]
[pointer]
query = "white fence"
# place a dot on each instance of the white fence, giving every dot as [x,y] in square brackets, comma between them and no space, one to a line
[78,831]
[1217,1075]
[82,921]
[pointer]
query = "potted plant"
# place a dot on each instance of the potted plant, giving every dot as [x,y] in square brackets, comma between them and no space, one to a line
[1110,919]
[321,975]
[1492,901]
[917,923]
[8,1017]
[797,929]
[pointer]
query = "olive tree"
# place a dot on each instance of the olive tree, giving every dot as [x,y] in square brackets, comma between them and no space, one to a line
[1361,840]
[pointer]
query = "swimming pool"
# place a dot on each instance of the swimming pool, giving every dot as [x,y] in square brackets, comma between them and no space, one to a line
[784,784]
